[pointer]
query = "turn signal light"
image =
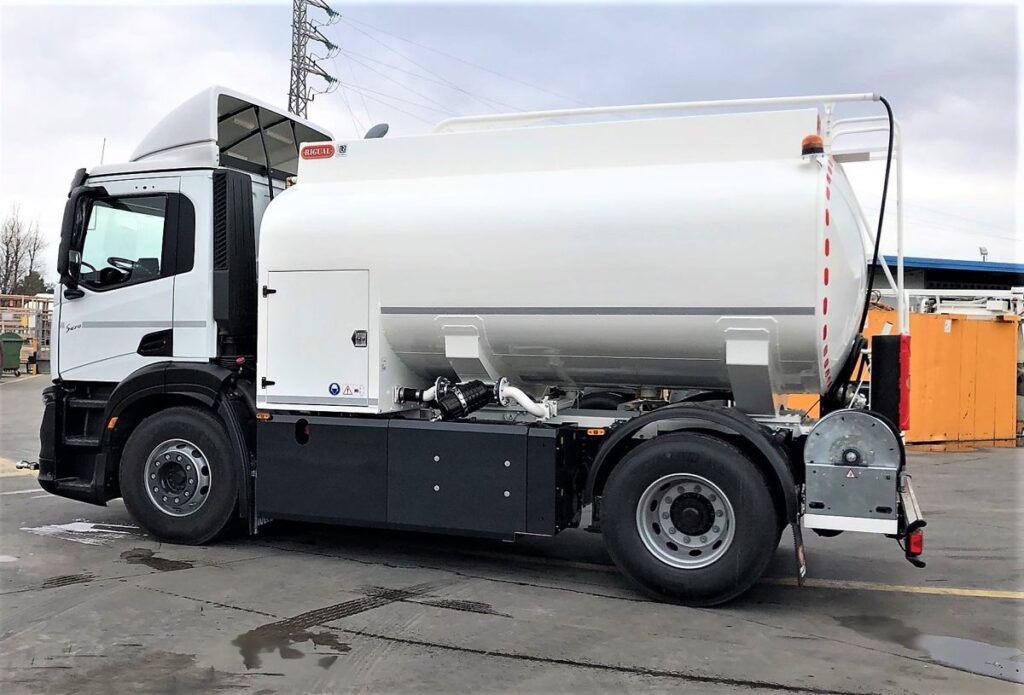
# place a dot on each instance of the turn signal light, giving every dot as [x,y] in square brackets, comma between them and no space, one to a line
[262,415]
[812,144]
[596,432]
[915,542]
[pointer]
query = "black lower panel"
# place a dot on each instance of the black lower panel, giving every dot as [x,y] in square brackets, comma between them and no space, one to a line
[322,469]
[453,476]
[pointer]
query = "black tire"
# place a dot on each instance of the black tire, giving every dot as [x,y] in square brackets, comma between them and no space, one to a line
[205,430]
[754,537]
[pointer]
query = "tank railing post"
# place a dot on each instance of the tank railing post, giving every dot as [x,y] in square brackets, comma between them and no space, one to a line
[897,284]
[865,228]
[458,122]
[902,305]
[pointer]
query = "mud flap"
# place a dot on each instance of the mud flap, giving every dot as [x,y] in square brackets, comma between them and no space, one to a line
[798,551]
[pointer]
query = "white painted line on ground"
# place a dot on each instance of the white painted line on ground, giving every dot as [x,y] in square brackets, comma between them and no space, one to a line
[22,492]
[85,532]
[19,379]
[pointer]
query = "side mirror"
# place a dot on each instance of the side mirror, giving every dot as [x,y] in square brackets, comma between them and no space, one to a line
[76,215]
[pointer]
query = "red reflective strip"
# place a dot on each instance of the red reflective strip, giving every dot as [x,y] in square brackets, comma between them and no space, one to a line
[826,276]
[828,177]
[824,332]
[825,363]
[824,305]
[827,246]
[828,194]
[826,217]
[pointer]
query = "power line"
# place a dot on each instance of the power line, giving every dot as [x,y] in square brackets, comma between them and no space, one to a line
[302,63]
[421,67]
[400,84]
[348,106]
[351,22]
[486,101]
[352,72]
[392,106]
[950,214]
[921,222]
[359,89]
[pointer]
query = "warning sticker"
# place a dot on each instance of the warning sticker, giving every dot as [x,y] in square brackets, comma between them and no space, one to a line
[851,473]
[347,390]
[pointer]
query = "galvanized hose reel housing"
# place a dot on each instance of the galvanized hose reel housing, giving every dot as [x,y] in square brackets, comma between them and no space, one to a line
[852,461]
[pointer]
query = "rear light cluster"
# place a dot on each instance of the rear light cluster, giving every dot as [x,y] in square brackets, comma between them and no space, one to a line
[915,542]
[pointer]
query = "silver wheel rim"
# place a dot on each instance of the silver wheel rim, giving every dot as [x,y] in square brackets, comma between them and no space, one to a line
[178,477]
[702,512]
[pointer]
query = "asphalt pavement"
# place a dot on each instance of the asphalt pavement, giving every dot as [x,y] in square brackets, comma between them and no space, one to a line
[90,604]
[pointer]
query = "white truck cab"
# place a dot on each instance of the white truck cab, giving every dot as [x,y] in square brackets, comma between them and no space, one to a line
[150,247]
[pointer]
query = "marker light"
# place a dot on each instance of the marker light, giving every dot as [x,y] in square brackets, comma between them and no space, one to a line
[812,144]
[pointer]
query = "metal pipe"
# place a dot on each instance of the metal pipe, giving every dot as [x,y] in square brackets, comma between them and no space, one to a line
[506,392]
[454,124]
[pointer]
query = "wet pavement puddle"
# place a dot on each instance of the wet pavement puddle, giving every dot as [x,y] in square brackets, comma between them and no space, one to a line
[145,556]
[1005,663]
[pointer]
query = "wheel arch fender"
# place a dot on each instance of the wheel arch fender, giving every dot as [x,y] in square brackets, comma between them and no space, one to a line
[165,385]
[714,420]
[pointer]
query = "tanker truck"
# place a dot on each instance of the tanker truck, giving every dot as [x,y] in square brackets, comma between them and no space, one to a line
[259,321]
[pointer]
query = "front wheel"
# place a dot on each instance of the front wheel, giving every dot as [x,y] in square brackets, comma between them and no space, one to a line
[689,518]
[178,477]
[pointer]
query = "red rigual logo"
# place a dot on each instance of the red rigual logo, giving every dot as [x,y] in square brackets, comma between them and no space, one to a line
[318,151]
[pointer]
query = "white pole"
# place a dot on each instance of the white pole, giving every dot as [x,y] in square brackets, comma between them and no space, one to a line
[902,305]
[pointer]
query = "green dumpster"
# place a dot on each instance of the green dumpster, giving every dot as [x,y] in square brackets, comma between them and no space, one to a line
[10,353]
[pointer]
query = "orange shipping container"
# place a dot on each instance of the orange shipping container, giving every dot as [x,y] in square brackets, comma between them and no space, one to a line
[963,376]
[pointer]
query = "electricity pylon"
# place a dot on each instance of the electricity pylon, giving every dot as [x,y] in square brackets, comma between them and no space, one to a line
[304,64]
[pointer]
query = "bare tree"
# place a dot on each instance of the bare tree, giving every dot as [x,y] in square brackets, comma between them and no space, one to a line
[21,244]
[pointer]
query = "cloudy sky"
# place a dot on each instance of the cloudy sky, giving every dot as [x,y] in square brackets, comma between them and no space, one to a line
[72,74]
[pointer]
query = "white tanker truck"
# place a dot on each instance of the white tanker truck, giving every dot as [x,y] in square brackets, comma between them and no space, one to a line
[258,321]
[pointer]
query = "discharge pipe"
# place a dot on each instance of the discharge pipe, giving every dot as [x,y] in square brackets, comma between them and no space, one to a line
[459,400]
[507,394]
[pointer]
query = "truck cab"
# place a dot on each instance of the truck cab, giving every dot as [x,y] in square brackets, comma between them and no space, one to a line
[157,260]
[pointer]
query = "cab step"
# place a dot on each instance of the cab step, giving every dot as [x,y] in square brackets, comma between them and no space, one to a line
[81,441]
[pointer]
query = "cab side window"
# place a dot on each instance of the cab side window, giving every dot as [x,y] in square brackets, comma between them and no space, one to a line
[124,242]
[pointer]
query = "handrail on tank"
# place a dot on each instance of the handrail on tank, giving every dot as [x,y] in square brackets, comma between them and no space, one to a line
[860,125]
[451,125]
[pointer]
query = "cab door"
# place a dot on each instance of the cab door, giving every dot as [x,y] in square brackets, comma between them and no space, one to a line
[120,316]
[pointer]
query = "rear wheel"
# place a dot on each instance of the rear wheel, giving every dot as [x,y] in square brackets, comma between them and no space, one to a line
[689,518]
[178,478]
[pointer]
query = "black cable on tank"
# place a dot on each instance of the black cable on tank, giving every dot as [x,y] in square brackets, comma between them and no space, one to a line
[832,400]
[881,216]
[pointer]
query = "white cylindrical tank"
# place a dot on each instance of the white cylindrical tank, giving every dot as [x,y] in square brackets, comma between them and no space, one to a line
[606,254]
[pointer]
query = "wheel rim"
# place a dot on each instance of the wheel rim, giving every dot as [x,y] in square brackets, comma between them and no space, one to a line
[178,477]
[685,521]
